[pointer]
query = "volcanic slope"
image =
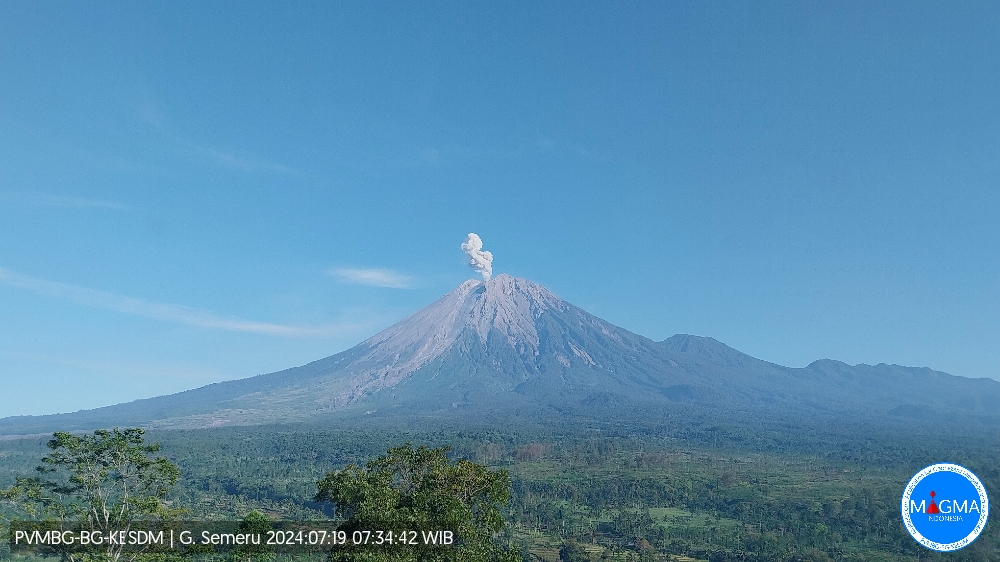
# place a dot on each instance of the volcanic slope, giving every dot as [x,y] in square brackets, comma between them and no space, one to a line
[509,346]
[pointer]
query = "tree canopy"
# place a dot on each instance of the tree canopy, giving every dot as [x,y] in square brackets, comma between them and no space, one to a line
[102,482]
[421,489]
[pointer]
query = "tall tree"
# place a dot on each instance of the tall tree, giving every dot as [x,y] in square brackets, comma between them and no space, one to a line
[102,482]
[421,489]
[258,523]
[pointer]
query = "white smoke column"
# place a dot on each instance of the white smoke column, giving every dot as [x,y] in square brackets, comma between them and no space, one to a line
[479,259]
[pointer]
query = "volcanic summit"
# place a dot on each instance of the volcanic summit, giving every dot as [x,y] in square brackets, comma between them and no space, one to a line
[507,345]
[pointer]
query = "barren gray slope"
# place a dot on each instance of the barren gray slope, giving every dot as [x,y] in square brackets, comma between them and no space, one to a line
[509,344]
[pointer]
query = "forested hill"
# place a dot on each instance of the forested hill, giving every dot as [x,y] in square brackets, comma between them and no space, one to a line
[509,349]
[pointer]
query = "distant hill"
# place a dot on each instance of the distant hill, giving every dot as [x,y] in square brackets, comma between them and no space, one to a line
[509,347]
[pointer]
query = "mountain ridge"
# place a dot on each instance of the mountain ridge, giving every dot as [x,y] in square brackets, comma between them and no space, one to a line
[509,344]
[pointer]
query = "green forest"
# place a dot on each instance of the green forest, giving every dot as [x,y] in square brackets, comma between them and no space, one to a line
[698,492]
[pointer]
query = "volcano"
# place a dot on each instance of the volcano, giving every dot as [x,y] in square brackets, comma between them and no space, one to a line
[509,346]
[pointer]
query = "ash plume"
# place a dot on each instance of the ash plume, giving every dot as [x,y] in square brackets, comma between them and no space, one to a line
[479,259]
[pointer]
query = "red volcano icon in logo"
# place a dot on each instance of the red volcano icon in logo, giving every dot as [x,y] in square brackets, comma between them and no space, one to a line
[933,508]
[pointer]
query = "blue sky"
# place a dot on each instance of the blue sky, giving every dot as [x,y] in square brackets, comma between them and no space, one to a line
[193,192]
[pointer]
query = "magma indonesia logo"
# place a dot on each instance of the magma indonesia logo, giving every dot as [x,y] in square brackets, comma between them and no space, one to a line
[945,507]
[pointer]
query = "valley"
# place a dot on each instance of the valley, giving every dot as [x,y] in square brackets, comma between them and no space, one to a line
[614,495]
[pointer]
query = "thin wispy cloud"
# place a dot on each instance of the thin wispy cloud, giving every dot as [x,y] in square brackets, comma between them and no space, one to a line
[151,113]
[166,312]
[373,277]
[241,161]
[39,199]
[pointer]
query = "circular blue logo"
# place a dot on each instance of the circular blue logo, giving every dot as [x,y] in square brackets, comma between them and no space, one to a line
[945,507]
